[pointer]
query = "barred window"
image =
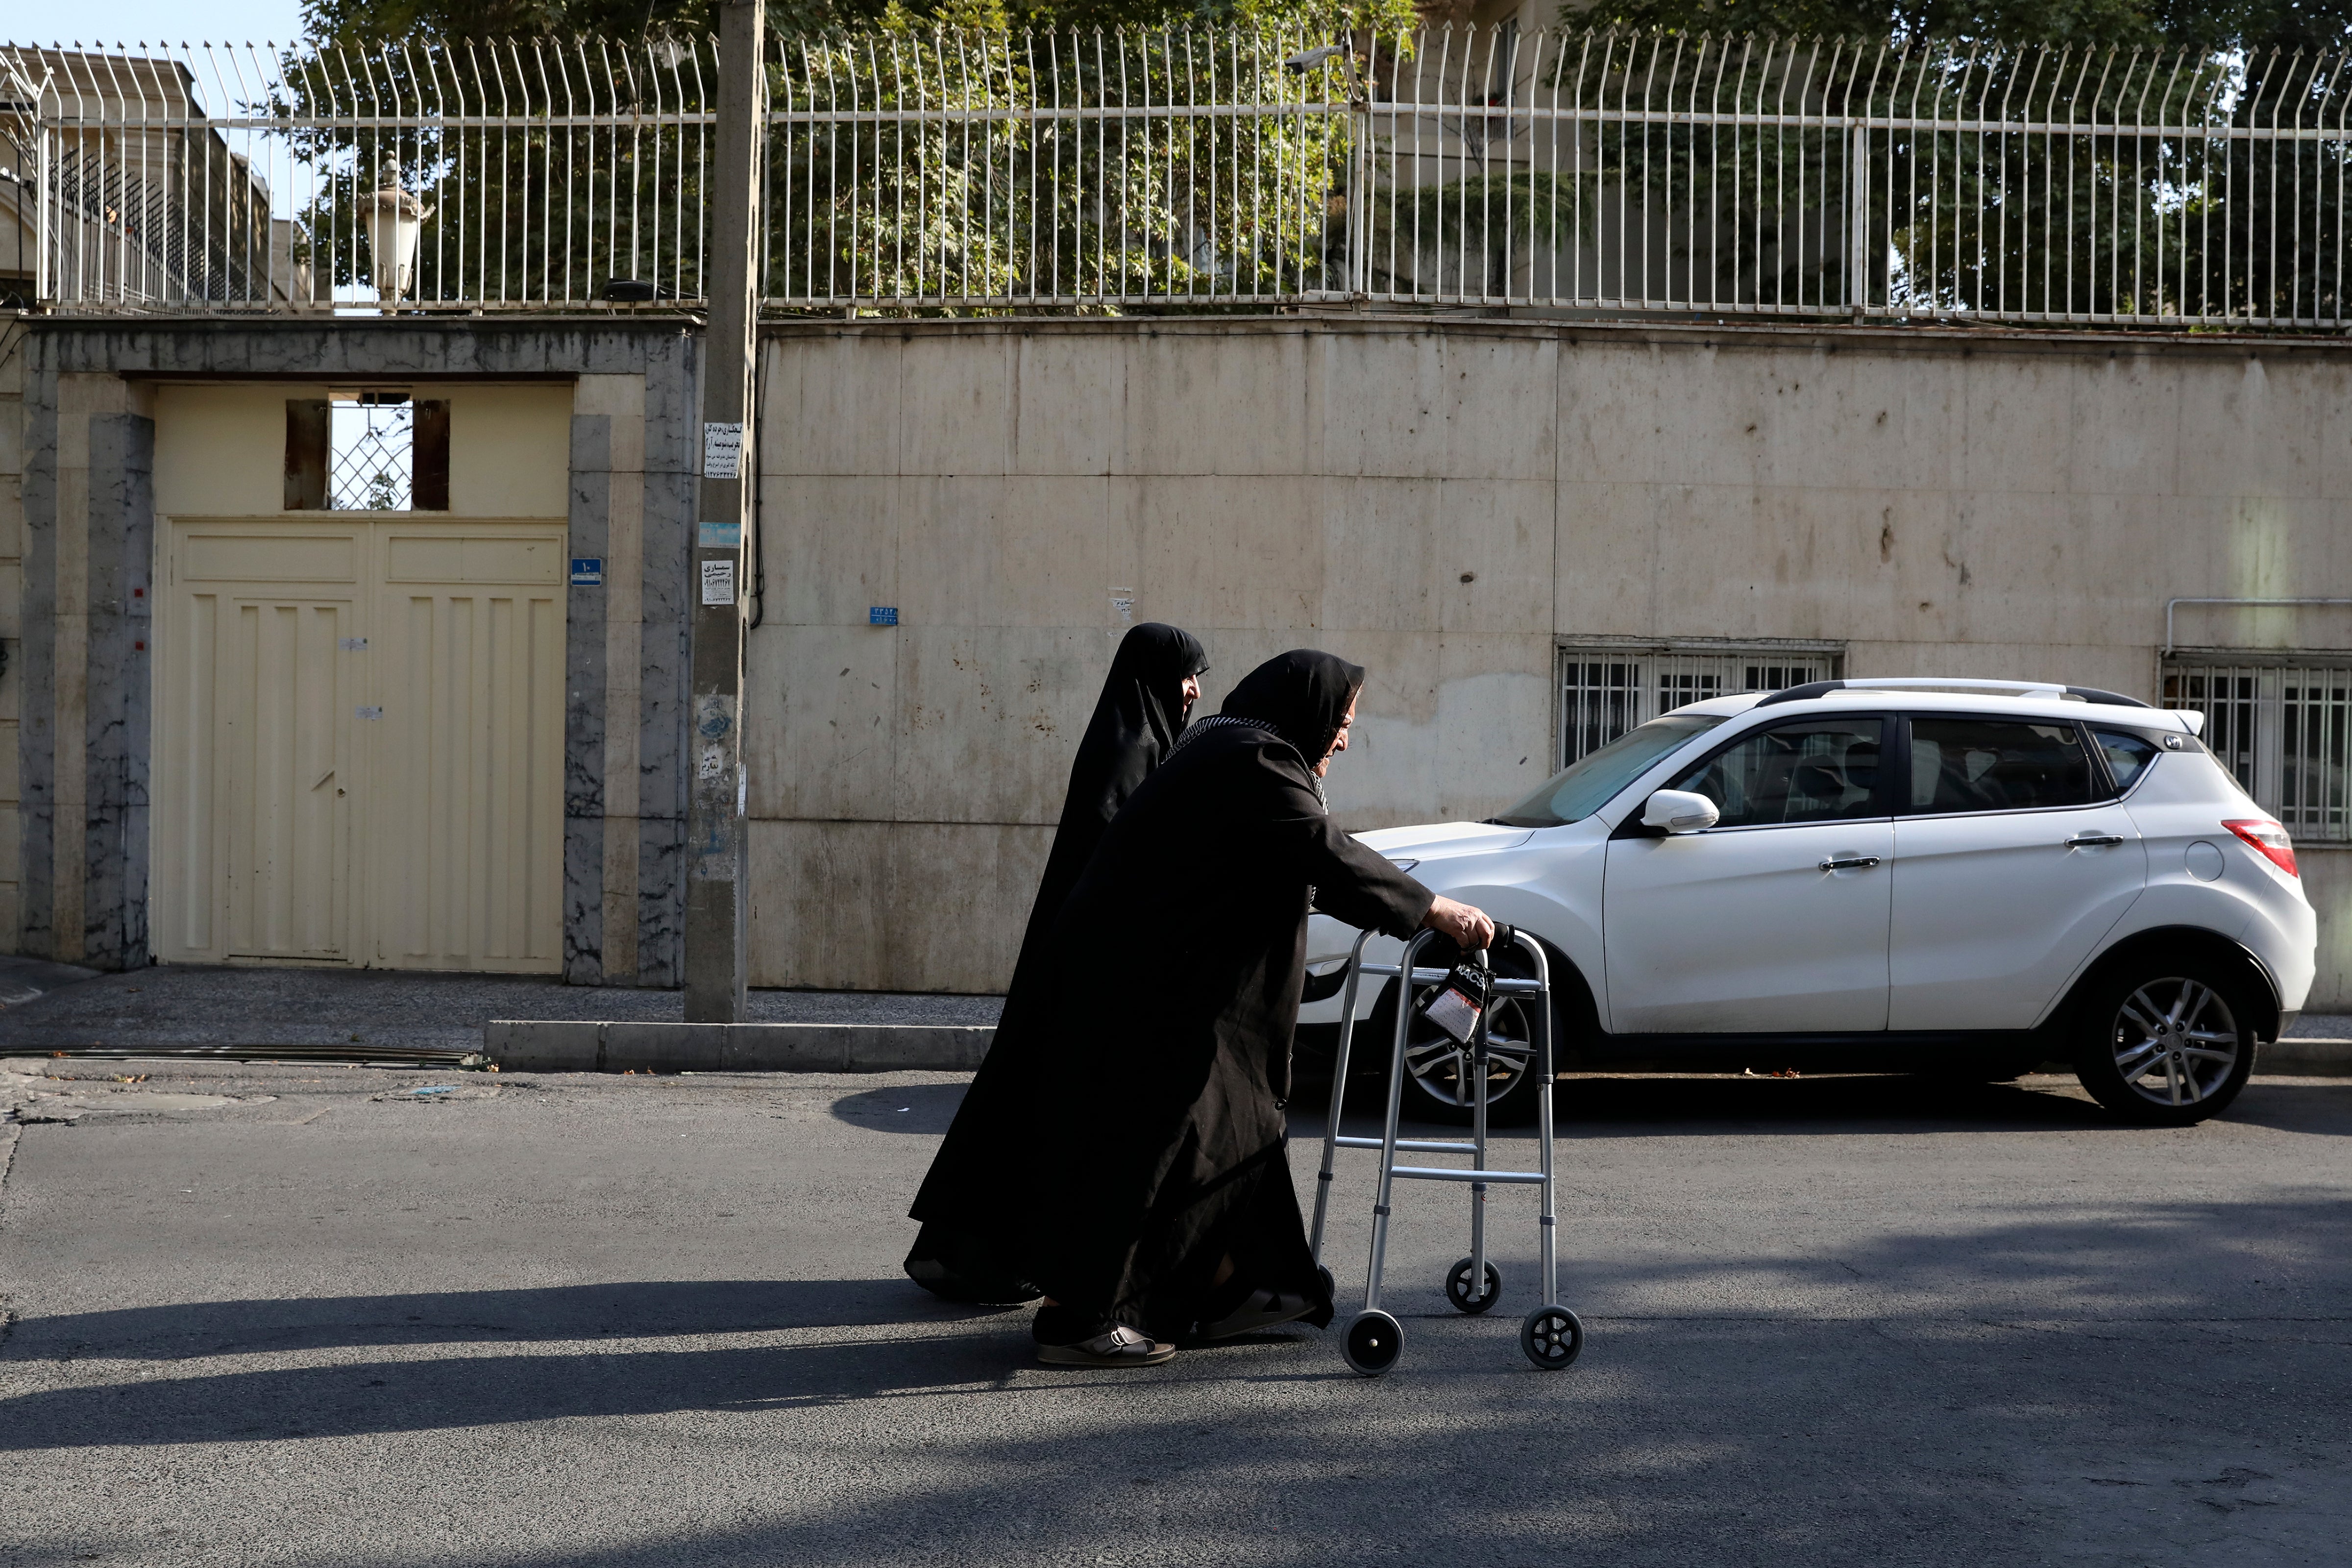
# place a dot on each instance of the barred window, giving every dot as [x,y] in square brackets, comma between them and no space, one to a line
[2284,729]
[1605,692]
[367,451]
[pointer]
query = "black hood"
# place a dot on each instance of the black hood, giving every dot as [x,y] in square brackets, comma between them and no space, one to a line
[1303,695]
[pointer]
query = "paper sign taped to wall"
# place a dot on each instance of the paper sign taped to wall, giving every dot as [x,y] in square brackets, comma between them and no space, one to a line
[722,451]
[719,582]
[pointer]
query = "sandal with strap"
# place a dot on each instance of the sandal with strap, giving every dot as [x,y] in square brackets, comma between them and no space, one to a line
[1120,1346]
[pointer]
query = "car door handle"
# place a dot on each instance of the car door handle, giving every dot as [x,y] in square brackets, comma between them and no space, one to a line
[1849,862]
[2093,840]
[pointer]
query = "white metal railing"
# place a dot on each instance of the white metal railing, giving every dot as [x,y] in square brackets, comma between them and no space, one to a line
[1590,171]
[468,176]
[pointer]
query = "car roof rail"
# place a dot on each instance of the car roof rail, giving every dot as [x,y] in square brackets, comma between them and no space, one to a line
[1814,688]
[1810,689]
[2113,698]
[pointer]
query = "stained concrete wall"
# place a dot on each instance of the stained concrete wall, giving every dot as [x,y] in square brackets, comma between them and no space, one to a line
[1449,503]
[12,627]
[619,465]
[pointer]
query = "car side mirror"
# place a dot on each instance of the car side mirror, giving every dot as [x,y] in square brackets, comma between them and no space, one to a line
[1679,811]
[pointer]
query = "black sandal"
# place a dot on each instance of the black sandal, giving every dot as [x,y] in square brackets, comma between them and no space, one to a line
[1259,1309]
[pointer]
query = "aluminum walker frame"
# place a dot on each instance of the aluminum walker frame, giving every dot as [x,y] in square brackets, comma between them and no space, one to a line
[1550,1335]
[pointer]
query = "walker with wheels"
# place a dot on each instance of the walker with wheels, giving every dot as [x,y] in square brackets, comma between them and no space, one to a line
[1550,1335]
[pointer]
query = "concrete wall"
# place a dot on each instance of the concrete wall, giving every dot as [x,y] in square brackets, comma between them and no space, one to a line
[1448,503]
[612,450]
[12,627]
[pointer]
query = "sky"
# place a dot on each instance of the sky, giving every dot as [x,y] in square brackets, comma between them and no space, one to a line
[150,21]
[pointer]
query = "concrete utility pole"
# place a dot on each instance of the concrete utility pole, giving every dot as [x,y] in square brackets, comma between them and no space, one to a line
[718,893]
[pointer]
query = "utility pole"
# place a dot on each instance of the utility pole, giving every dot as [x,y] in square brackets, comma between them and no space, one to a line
[718,894]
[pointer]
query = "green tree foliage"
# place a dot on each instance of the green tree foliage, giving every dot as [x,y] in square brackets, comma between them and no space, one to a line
[356,23]
[2253,25]
[1083,203]
[360,22]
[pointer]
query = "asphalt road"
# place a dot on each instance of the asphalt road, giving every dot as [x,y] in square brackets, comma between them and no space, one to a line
[654,1322]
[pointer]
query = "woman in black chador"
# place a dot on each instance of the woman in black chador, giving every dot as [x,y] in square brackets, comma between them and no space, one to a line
[959,1254]
[1156,1195]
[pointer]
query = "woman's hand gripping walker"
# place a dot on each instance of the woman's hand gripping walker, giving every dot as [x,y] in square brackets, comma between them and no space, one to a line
[1550,1335]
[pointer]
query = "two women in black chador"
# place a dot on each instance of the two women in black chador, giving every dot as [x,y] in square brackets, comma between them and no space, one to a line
[1121,1152]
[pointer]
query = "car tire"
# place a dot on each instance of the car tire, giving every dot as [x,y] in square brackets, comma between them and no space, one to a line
[1432,1091]
[2165,1039]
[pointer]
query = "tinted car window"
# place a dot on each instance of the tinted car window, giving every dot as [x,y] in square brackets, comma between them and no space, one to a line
[1818,771]
[1997,764]
[2127,755]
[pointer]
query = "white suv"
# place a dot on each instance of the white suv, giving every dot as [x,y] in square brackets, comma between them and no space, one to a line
[1958,877]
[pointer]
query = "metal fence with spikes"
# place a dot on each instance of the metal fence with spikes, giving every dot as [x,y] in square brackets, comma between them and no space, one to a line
[1583,171]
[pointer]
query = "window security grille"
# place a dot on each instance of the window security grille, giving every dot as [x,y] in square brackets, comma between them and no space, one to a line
[370,465]
[1606,691]
[367,451]
[2284,729]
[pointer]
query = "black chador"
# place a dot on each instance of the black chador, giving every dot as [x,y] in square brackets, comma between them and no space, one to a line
[1171,987]
[958,1253]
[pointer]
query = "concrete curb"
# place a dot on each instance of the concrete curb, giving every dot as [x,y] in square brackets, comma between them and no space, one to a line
[2306,1058]
[568,1046]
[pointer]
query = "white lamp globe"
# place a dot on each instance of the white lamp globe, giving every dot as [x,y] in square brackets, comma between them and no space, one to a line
[393,219]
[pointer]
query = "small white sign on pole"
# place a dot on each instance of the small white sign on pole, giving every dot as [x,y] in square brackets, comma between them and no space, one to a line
[722,451]
[719,582]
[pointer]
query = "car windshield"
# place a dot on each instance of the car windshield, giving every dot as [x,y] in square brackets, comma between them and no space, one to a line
[1587,784]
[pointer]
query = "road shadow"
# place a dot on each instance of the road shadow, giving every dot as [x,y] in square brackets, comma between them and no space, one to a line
[1698,1104]
[413,1396]
[1860,1104]
[1825,1102]
[2159,1265]
[2322,1107]
[913,1108]
[623,1309]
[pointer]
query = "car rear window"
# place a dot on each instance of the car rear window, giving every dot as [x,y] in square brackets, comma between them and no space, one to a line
[2127,755]
[1997,764]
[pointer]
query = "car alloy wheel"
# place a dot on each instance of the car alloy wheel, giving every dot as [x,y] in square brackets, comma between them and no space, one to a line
[2175,1041]
[1443,1069]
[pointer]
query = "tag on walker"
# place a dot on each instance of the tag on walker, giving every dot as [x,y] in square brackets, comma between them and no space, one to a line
[1458,1001]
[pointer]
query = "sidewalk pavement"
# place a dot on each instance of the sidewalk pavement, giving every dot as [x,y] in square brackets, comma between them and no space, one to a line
[395,1014]
[390,1015]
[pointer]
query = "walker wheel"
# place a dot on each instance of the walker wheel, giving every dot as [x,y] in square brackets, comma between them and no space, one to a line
[1330,1286]
[1374,1341]
[1457,1288]
[1552,1336]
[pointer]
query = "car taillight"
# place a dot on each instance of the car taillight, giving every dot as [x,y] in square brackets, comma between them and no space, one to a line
[2270,841]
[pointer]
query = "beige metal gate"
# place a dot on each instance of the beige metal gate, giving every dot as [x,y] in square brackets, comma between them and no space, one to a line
[361,743]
